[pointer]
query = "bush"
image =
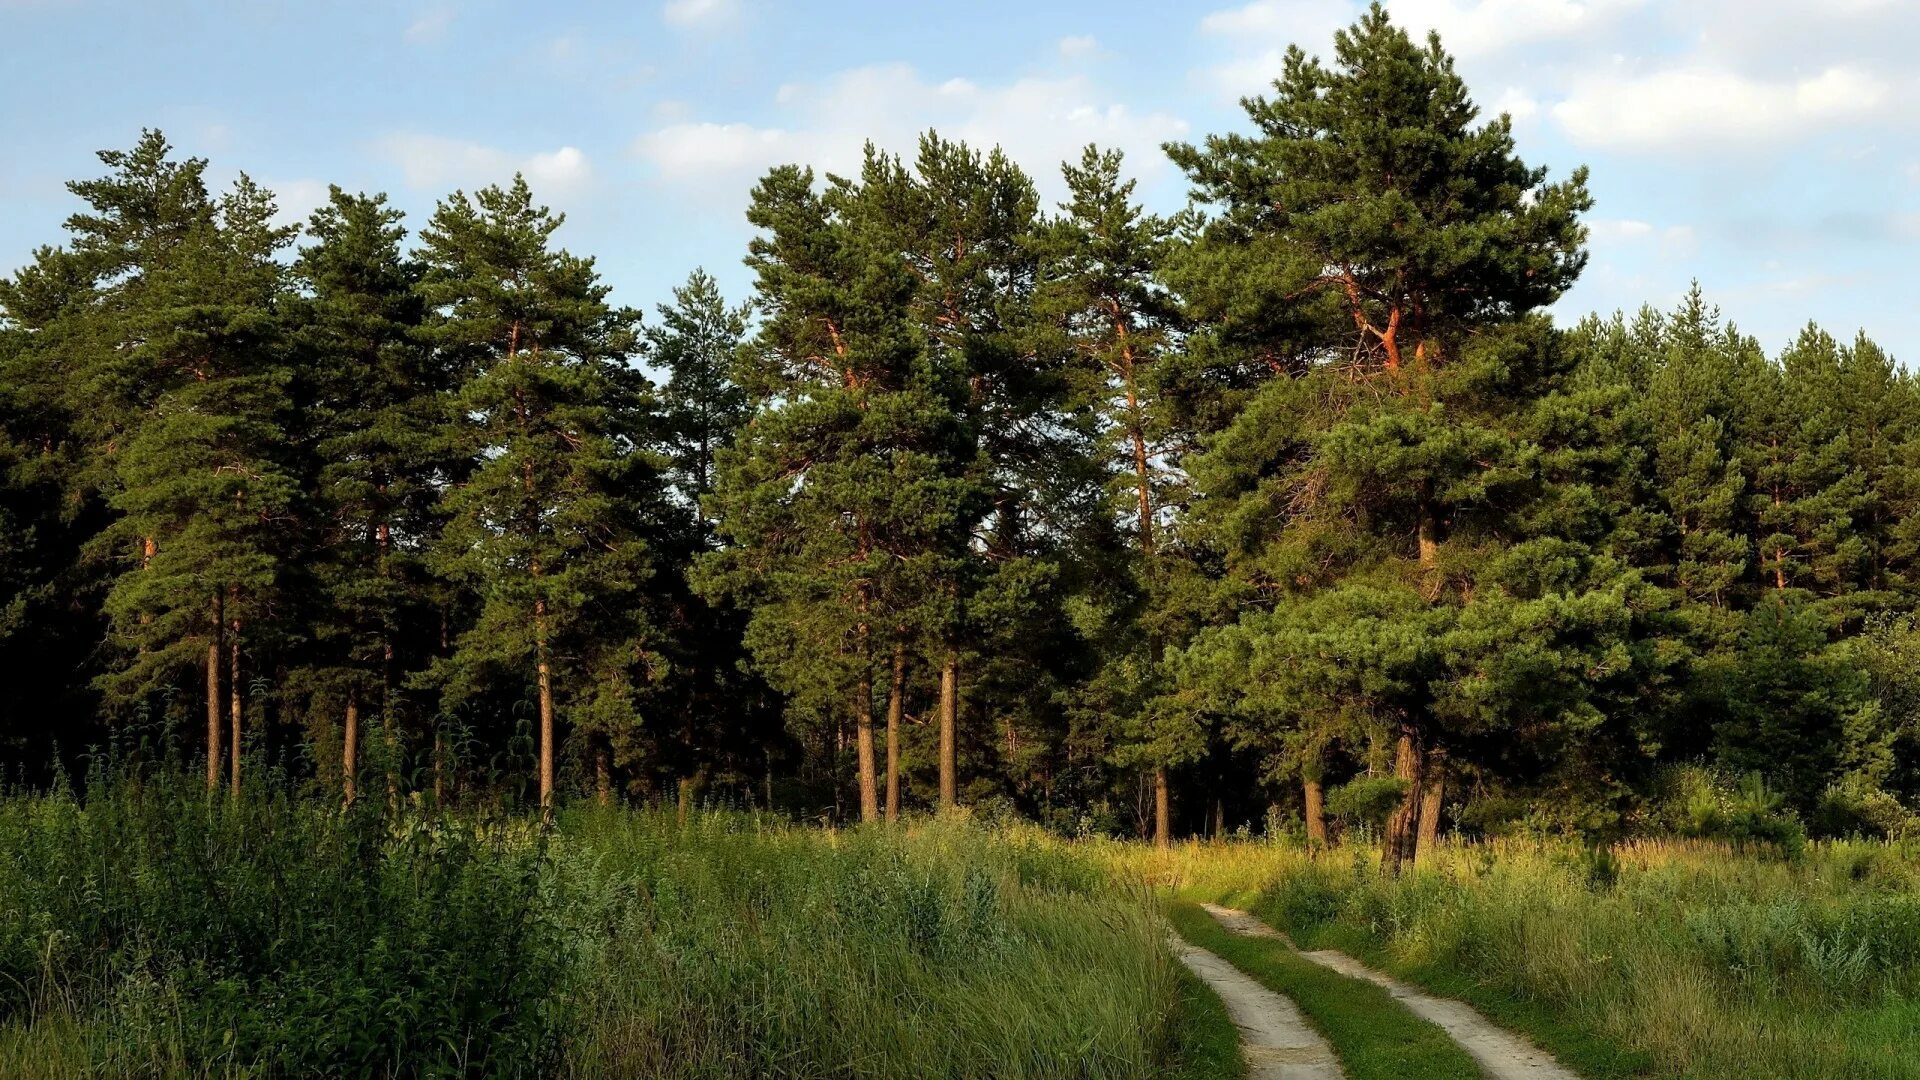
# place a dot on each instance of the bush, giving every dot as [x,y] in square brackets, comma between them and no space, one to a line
[1366,800]
[1704,805]
[1855,807]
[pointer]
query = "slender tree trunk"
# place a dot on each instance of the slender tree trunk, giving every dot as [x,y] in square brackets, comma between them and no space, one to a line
[1401,827]
[1432,795]
[1429,544]
[215,648]
[389,729]
[602,774]
[863,747]
[896,707]
[234,691]
[350,752]
[439,728]
[1219,819]
[949,724]
[1162,810]
[1316,812]
[546,707]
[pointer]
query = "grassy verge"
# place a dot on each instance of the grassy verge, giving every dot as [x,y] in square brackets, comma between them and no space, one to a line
[152,931]
[1375,1036]
[1664,958]
[1206,1044]
[1584,1051]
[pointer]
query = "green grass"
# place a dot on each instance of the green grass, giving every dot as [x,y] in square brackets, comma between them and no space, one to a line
[1374,1035]
[1207,1045]
[1683,959]
[1584,1051]
[151,931]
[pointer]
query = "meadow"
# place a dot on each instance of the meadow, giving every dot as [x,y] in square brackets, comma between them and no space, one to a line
[1682,958]
[150,930]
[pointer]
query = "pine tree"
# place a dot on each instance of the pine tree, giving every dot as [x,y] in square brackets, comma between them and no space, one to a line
[183,380]
[844,497]
[553,526]
[377,407]
[1390,454]
[713,701]
[696,343]
[1102,285]
[968,224]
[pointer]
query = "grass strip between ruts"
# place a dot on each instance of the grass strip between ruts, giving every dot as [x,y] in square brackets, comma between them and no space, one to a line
[1375,1036]
[1586,1052]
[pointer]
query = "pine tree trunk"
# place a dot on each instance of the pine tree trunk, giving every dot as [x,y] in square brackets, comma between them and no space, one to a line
[949,724]
[389,731]
[602,774]
[863,747]
[546,708]
[896,707]
[439,730]
[1432,795]
[1399,847]
[350,751]
[1219,820]
[215,647]
[1316,812]
[234,692]
[1162,810]
[1429,544]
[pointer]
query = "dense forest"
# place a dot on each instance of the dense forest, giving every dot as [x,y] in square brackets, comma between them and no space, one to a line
[1293,508]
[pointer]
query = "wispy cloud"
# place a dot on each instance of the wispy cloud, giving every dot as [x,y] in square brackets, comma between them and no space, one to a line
[1039,121]
[437,163]
[700,12]
[430,26]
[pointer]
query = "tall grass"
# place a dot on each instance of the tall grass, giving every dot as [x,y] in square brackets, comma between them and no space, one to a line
[737,950]
[1679,958]
[151,930]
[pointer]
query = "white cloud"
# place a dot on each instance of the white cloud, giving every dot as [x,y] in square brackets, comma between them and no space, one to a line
[1477,28]
[437,163]
[1076,46]
[1310,23]
[694,151]
[430,26]
[1614,234]
[1703,107]
[700,12]
[1259,32]
[1516,103]
[296,200]
[1039,121]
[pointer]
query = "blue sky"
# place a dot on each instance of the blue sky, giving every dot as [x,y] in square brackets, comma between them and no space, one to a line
[1767,148]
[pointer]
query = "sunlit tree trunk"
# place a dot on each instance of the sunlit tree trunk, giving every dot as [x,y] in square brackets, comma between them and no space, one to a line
[863,747]
[1162,810]
[949,724]
[546,707]
[215,643]
[896,707]
[1316,812]
[1432,797]
[234,692]
[350,750]
[1401,836]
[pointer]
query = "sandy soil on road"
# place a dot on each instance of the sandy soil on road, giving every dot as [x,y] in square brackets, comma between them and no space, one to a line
[1500,1053]
[1274,1037]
